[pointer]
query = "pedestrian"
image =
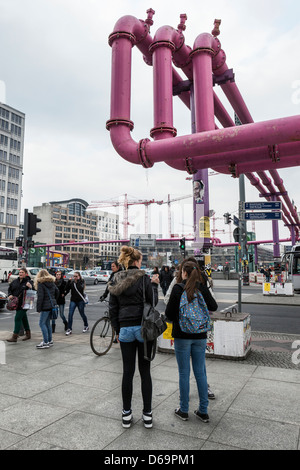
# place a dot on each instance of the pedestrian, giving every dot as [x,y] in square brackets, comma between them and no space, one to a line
[61,284]
[115,267]
[77,287]
[126,309]
[177,280]
[268,274]
[166,278]
[18,288]
[47,295]
[190,345]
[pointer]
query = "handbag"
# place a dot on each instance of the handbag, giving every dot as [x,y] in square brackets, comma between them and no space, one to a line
[29,299]
[54,308]
[153,325]
[12,303]
[84,298]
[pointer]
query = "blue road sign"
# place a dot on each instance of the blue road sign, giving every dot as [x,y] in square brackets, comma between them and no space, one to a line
[262,215]
[236,221]
[254,206]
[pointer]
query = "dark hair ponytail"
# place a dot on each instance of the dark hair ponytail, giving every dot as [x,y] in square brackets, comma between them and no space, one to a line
[194,277]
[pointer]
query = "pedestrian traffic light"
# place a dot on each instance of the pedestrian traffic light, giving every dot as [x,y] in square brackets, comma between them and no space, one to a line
[32,228]
[182,244]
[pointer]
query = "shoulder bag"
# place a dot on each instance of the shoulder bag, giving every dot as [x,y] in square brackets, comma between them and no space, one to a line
[84,298]
[153,325]
[54,307]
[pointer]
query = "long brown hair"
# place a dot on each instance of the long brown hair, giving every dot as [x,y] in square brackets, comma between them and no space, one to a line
[194,277]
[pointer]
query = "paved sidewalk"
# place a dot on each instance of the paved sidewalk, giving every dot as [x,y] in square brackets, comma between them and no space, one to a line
[65,397]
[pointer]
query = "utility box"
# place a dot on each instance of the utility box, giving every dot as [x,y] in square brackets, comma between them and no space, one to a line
[229,338]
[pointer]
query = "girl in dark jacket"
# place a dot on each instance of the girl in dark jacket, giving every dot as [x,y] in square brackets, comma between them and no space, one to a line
[17,289]
[47,295]
[190,345]
[126,310]
[76,286]
[61,285]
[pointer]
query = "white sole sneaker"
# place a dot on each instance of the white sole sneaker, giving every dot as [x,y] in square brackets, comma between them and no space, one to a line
[147,419]
[127,419]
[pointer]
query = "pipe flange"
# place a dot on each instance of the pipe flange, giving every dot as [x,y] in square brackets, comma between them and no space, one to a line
[157,44]
[188,163]
[121,34]
[160,129]
[232,170]
[146,163]
[198,50]
[116,122]
[274,153]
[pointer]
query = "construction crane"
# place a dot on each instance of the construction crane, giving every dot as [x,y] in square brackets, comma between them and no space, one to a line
[169,208]
[96,205]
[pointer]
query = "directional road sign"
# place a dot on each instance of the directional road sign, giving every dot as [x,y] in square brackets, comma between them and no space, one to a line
[256,206]
[263,215]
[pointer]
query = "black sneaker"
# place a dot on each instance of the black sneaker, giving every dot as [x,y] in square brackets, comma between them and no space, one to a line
[147,419]
[203,416]
[126,419]
[181,415]
[210,393]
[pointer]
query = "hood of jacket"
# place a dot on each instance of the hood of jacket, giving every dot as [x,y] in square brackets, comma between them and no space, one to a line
[124,280]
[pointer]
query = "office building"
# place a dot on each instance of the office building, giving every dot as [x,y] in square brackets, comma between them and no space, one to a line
[69,222]
[12,126]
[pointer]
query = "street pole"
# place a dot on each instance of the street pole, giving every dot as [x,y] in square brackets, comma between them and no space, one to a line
[242,238]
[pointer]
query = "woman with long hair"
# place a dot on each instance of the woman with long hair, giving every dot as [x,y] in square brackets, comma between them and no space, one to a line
[190,345]
[126,304]
[77,287]
[17,289]
[47,295]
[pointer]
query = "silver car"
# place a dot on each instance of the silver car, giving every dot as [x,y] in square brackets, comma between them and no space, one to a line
[86,276]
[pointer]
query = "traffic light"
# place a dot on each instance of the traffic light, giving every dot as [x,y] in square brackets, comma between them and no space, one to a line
[32,228]
[251,258]
[227,218]
[182,244]
[19,241]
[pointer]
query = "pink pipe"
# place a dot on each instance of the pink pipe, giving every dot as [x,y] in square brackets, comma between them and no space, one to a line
[279,183]
[203,90]
[261,242]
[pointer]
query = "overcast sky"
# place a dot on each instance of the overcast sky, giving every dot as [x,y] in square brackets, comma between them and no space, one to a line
[55,66]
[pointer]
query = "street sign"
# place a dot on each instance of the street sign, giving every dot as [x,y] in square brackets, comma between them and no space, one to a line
[236,221]
[255,206]
[262,215]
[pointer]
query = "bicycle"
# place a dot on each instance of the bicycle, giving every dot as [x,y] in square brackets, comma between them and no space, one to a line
[102,335]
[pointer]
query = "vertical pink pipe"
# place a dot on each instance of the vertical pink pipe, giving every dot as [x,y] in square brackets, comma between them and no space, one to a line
[202,72]
[163,91]
[121,79]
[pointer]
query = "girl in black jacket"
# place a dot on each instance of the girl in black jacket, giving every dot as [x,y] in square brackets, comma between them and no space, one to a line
[126,310]
[17,289]
[47,295]
[190,345]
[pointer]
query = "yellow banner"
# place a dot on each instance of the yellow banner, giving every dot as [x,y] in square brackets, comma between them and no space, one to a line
[204,227]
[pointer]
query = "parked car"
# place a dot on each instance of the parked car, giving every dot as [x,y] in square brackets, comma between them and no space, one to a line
[84,274]
[103,276]
[3,299]
[32,272]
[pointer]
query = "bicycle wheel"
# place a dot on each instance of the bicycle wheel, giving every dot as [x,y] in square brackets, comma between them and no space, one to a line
[102,336]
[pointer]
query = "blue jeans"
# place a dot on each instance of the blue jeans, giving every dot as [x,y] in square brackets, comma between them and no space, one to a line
[184,349]
[61,309]
[45,326]
[80,305]
[130,333]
